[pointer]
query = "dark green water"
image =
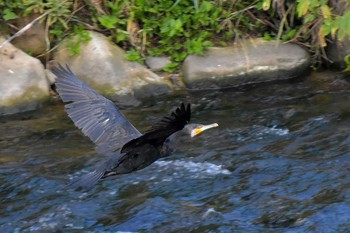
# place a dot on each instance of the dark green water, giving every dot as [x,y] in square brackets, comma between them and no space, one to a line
[279,162]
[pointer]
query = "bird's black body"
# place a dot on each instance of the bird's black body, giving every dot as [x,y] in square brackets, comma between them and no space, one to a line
[114,135]
[140,152]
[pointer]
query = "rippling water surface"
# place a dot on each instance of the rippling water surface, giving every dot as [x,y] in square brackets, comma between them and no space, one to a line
[279,162]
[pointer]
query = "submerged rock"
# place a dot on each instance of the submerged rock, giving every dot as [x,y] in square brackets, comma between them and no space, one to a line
[23,85]
[101,65]
[253,62]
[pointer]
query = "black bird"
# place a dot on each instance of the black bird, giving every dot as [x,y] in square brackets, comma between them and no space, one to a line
[128,149]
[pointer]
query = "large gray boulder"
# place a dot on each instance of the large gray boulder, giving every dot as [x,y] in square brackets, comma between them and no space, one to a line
[252,62]
[101,64]
[23,83]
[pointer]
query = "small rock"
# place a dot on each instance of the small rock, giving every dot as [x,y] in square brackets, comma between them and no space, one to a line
[157,63]
[144,82]
[254,62]
[23,85]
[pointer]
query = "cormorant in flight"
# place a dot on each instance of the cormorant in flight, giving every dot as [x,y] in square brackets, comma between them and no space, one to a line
[128,149]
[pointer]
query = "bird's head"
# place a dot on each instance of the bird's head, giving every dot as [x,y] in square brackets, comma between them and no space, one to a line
[195,129]
[179,138]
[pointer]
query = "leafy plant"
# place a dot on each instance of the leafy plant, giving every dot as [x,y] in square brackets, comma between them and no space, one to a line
[195,3]
[162,27]
[115,19]
[347,63]
[59,10]
[133,55]
[341,25]
[308,22]
[8,15]
[177,29]
[80,36]
[181,27]
[57,13]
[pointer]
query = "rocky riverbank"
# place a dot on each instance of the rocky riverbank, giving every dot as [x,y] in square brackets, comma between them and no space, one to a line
[26,84]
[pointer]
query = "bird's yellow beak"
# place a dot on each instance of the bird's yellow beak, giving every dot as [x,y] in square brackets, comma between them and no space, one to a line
[201,128]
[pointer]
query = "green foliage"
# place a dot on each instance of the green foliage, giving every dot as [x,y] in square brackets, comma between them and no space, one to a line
[80,36]
[133,55]
[9,9]
[195,3]
[58,15]
[183,30]
[108,21]
[308,22]
[8,15]
[171,67]
[168,28]
[347,63]
[178,28]
[116,18]
[342,24]
[159,27]
[58,10]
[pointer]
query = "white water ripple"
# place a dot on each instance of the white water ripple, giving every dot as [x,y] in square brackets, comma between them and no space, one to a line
[274,130]
[197,169]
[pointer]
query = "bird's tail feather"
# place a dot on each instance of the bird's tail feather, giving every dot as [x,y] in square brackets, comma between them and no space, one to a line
[86,181]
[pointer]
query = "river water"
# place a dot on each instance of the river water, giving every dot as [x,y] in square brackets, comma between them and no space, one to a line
[278,162]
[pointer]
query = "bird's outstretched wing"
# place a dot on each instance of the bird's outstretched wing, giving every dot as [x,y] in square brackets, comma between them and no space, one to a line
[95,115]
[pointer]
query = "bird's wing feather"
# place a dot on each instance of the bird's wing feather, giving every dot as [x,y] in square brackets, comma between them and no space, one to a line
[176,121]
[102,170]
[95,115]
[86,181]
[163,129]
